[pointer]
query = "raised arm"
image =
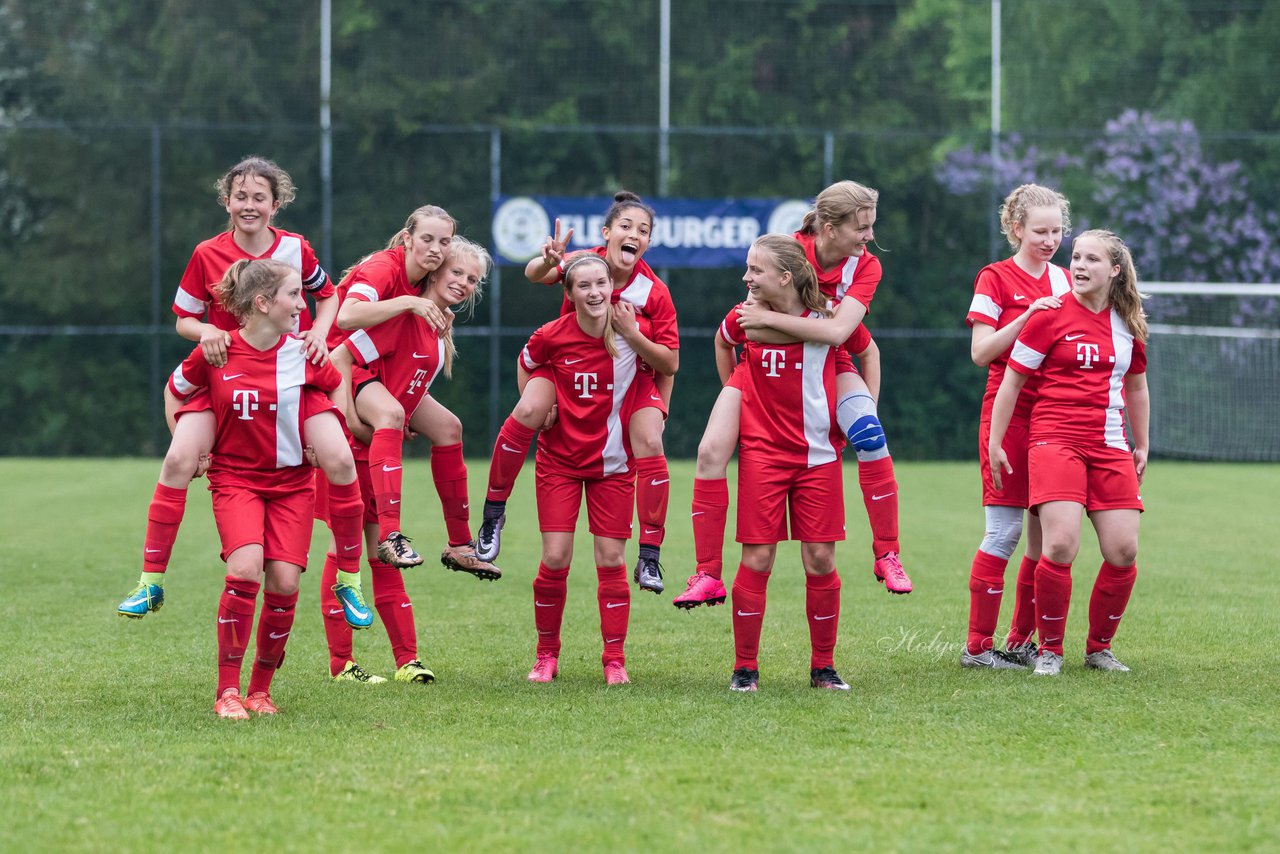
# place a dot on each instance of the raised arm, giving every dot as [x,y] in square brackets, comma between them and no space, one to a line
[832,331]
[361,314]
[543,269]
[988,343]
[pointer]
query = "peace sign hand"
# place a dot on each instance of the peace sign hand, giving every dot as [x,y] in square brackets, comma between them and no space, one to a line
[553,248]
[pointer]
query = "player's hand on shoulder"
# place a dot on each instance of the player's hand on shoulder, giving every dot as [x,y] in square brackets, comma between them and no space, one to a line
[1045,304]
[430,312]
[214,343]
[313,348]
[622,315]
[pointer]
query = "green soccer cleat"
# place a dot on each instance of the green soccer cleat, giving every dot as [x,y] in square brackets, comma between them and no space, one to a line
[353,672]
[414,671]
[144,599]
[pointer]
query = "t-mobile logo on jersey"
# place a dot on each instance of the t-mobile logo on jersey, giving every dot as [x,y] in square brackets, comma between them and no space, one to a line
[418,381]
[246,403]
[772,360]
[1086,354]
[585,384]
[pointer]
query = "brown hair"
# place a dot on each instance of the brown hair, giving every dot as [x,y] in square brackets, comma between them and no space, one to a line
[282,189]
[575,263]
[247,280]
[837,203]
[622,200]
[788,257]
[1123,295]
[1020,202]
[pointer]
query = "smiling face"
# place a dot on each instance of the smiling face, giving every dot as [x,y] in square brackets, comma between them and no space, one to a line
[251,204]
[456,280]
[282,309]
[627,238]
[1040,234]
[764,279]
[426,245]
[589,288]
[850,238]
[1092,269]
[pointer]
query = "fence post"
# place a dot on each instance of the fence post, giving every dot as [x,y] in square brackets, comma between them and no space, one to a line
[155,395]
[495,293]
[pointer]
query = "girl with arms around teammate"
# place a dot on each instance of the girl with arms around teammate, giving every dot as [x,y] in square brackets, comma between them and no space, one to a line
[788,462]
[1005,296]
[593,371]
[1090,358]
[263,494]
[645,317]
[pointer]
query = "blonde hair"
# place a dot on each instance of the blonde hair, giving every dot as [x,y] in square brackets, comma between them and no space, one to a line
[575,263]
[461,247]
[410,227]
[837,203]
[1018,204]
[247,280]
[1123,294]
[788,256]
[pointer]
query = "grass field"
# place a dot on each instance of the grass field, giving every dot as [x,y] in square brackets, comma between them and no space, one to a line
[108,741]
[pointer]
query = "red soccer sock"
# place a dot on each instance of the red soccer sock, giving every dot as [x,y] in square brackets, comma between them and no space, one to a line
[336,631]
[346,521]
[653,489]
[880,495]
[1023,626]
[386,471]
[748,616]
[396,611]
[822,607]
[1053,600]
[1107,604]
[273,633]
[163,518]
[509,451]
[986,589]
[449,471]
[235,621]
[550,587]
[613,595]
[710,507]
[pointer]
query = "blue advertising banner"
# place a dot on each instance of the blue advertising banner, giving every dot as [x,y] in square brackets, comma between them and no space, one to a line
[686,232]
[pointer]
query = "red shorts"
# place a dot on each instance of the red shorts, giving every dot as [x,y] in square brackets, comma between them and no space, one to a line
[644,395]
[278,518]
[735,376]
[1015,443]
[768,493]
[1099,478]
[200,401]
[610,503]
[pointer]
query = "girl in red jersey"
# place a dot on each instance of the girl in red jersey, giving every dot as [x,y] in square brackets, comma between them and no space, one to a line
[1005,296]
[1090,358]
[252,192]
[262,490]
[789,461]
[645,317]
[404,355]
[593,372]
[835,237]
[382,286]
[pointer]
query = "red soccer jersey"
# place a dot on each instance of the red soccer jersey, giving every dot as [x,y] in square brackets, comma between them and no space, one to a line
[788,398]
[652,301]
[856,276]
[589,439]
[1082,359]
[1002,292]
[375,277]
[213,257]
[404,353]
[257,401]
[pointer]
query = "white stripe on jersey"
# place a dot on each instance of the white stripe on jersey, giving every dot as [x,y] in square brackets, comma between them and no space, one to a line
[289,250]
[525,359]
[624,373]
[365,290]
[817,408]
[181,383]
[187,302]
[1058,282]
[846,276]
[364,344]
[439,362]
[1122,344]
[637,293]
[291,373]
[986,306]
[1025,356]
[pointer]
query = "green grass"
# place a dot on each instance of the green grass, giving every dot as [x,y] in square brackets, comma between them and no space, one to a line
[108,741]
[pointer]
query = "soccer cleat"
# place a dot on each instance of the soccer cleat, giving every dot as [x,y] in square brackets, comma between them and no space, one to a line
[489,537]
[701,589]
[229,706]
[260,703]
[353,672]
[414,671]
[144,599]
[991,659]
[545,668]
[354,609]
[615,674]
[744,679]
[889,571]
[648,573]
[1104,659]
[1048,663]
[826,677]
[464,559]
[1024,653]
[395,550]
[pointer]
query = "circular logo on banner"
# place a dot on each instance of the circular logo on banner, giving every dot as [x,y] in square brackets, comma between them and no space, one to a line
[787,217]
[519,227]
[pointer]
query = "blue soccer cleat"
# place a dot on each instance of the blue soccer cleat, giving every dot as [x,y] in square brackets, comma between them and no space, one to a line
[144,599]
[354,609]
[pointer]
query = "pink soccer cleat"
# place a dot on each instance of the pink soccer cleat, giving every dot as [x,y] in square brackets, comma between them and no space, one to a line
[544,669]
[889,571]
[615,674]
[229,706]
[260,703]
[701,589]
